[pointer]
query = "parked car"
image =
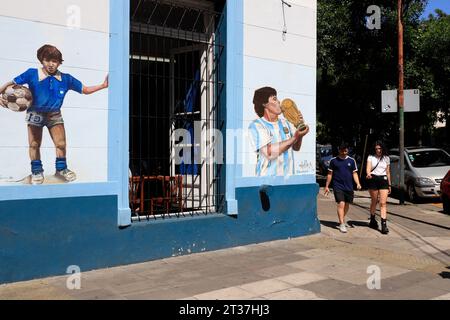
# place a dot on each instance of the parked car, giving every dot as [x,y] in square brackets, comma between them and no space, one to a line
[324,155]
[445,192]
[424,170]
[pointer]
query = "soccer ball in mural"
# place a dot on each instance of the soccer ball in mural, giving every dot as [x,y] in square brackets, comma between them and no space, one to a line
[19,97]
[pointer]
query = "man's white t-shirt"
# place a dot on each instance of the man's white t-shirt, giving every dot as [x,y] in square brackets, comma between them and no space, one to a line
[380,169]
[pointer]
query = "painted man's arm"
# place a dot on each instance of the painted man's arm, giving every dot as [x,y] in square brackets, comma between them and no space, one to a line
[273,150]
[299,136]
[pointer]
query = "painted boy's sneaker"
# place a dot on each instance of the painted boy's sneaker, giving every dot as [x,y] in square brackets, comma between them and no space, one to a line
[66,174]
[37,178]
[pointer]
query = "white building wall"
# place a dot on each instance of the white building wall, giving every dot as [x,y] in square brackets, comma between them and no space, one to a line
[287,65]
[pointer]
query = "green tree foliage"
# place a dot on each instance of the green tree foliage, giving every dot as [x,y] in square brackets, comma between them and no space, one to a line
[430,71]
[355,64]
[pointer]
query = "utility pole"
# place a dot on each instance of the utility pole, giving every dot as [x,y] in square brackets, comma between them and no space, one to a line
[401,111]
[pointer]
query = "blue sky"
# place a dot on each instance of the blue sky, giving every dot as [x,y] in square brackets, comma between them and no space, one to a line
[444,5]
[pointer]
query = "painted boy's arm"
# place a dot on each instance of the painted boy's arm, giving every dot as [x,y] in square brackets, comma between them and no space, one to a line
[93,89]
[4,102]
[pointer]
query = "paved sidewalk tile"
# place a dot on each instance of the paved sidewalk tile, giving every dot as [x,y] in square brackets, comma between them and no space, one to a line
[159,294]
[264,287]
[405,279]
[443,297]
[234,280]
[199,287]
[233,293]
[441,243]
[419,292]
[437,283]
[34,293]
[292,294]
[313,253]
[276,271]
[329,288]
[301,278]
[94,294]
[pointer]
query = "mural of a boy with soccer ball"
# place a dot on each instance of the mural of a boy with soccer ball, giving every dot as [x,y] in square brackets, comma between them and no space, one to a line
[47,88]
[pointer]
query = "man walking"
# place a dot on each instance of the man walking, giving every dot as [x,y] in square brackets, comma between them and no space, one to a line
[342,171]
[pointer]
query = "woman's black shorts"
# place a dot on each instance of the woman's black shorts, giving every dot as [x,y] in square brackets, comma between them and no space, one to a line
[378,183]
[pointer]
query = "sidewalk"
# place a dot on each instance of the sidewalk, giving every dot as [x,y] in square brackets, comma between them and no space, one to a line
[414,260]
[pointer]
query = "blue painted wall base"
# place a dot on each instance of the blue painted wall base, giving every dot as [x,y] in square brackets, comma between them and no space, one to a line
[43,237]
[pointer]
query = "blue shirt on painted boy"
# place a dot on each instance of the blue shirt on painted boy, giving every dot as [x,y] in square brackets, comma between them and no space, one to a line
[343,173]
[48,90]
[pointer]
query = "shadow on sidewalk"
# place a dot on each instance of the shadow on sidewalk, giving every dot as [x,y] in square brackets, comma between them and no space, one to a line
[351,223]
[406,217]
[358,223]
[329,224]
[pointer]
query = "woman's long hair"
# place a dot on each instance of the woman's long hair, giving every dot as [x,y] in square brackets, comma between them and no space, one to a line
[384,152]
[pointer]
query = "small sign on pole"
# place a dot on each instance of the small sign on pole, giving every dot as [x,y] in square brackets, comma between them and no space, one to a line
[389,103]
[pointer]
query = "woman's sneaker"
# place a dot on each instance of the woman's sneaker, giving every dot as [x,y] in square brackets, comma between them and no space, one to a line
[66,174]
[37,178]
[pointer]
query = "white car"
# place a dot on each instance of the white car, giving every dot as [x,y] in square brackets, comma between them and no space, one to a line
[424,170]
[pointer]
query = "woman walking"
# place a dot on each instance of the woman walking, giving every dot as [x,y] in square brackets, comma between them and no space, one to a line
[379,184]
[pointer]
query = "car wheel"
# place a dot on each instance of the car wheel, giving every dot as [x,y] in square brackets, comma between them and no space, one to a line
[412,195]
[446,204]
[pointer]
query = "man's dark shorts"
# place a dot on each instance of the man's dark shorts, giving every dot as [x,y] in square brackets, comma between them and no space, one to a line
[343,196]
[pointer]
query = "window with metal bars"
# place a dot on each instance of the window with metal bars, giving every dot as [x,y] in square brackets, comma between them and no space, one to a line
[176,85]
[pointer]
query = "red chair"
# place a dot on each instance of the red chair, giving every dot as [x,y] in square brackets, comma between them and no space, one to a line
[136,194]
[172,195]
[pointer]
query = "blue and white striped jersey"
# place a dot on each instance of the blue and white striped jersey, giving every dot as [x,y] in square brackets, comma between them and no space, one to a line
[264,132]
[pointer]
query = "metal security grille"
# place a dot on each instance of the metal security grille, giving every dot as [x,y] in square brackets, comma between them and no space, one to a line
[177,94]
